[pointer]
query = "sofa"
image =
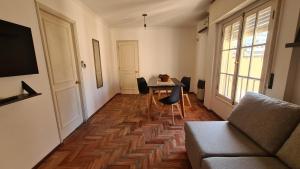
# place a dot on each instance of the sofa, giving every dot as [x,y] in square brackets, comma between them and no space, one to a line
[261,133]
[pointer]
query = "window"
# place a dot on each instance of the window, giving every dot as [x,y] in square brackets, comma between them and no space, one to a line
[228,57]
[243,53]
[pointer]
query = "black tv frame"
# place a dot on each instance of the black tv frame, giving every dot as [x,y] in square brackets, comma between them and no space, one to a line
[23,35]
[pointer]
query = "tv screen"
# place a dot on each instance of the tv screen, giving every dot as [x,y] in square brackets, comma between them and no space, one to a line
[17,56]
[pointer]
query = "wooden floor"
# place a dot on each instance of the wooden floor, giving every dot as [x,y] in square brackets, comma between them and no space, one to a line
[119,136]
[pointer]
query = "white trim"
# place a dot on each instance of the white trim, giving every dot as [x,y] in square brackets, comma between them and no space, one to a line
[40,7]
[137,60]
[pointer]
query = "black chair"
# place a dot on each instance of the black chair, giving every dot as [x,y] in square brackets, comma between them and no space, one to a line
[142,86]
[186,88]
[144,90]
[173,100]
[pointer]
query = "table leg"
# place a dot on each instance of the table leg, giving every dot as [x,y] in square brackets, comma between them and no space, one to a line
[182,102]
[150,102]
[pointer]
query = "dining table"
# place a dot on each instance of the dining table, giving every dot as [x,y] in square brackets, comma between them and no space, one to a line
[156,84]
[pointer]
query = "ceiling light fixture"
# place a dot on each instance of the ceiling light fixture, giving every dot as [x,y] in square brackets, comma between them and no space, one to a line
[145,25]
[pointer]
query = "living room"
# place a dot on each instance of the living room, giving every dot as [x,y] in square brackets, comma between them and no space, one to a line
[87,123]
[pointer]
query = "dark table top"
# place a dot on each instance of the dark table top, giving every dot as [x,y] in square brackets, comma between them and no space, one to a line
[153,83]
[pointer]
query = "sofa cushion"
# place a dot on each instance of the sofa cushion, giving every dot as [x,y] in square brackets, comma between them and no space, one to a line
[290,151]
[242,163]
[217,138]
[267,121]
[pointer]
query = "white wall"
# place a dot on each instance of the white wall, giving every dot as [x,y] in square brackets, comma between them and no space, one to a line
[286,34]
[162,50]
[296,88]
[282,56]
[90,26]
[223,8]
[28,128]
[201,57]
[292,93]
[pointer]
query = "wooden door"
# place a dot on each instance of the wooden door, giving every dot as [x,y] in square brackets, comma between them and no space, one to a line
[58,38]
[128,66]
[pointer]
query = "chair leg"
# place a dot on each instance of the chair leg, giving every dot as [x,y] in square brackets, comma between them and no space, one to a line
[159,94]
[173,118]
[154,101]
[180,112]
[148,108]
[188,99]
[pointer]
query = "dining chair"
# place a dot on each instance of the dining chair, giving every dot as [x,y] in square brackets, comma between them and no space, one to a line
[186,88]
[144,89]
[173,100]
[160,91]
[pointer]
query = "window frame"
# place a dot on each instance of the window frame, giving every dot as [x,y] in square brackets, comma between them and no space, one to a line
[220,50]
[270,42]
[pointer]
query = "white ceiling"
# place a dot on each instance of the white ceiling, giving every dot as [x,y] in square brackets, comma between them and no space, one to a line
[128,13]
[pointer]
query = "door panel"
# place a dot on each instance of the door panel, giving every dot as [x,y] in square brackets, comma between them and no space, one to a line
[128,66]
[58,42]
[127,57]
[69,115]
[61,63]
[128,81]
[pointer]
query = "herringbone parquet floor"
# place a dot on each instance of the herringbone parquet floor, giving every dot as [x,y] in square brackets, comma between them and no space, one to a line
[119,136]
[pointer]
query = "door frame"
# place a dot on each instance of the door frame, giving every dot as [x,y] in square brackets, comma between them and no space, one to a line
[41,7]
[118,56]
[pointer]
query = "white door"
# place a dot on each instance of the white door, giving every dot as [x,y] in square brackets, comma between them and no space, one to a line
[61,62]
[128,66]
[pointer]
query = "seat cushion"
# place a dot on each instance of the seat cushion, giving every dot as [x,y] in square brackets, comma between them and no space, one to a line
[242,163]
[262,118]
[217,139]
[290,151]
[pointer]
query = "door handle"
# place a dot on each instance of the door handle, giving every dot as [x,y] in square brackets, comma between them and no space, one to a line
[77,82]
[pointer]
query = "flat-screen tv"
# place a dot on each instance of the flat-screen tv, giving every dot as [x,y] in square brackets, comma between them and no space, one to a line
[17,55]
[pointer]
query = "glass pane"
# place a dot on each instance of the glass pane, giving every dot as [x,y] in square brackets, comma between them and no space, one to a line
[235,35]
[238,89]
[231,61]
[241,88]
[226,40]
[253,85]
[249,30]
[257,61]
[244,61]
[222,83]
[256,86]
[228,88]
[262,26]
[250,85]
[224,61]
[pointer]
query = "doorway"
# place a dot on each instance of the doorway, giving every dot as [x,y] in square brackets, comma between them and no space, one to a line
[128,54]
[62,63]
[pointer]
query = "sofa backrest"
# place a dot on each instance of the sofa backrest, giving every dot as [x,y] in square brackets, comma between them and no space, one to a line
[267,121]
[289,153]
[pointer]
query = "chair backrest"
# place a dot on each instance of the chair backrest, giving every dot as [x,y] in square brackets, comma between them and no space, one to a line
[142,85]
[175,95]
[187,82]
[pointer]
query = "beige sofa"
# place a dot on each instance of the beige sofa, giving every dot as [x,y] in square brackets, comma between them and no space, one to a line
[261,133]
